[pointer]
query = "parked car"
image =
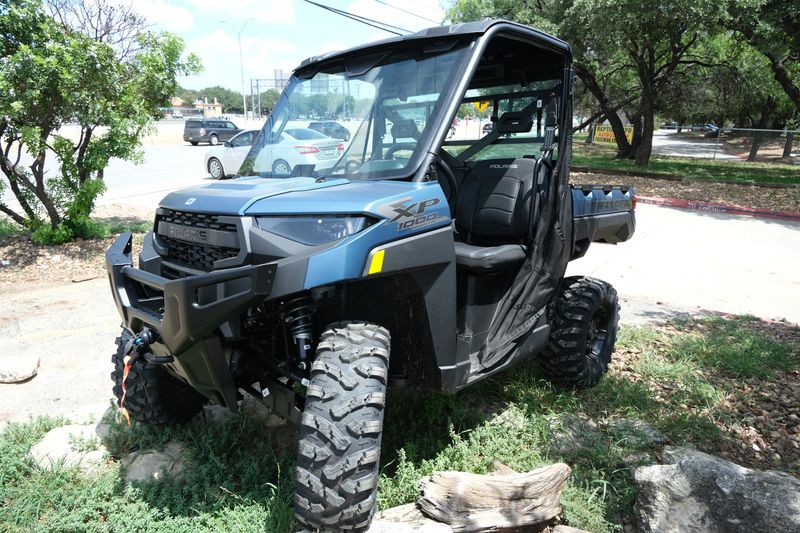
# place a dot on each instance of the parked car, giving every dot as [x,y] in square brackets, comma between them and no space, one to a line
[705,127]
[489,126]
[210,130]
[224,161]
[298,146]
[331,129]
[669,126]
[177,114]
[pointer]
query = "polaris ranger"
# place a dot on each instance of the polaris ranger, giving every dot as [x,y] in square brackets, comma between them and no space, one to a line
[415,261]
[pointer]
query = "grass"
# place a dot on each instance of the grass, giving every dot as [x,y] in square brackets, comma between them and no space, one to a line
[600,157]
[10,229]
[678,380]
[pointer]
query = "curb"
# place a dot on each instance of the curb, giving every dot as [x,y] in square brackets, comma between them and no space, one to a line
[669,177]
[719,208]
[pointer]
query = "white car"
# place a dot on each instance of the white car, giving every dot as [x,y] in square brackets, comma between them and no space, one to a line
[224,160]
[298,146]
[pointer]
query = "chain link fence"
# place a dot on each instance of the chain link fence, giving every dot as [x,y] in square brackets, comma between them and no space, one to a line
[761,146]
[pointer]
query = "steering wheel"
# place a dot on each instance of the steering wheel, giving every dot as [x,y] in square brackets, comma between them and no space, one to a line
[451,180]
[397,147]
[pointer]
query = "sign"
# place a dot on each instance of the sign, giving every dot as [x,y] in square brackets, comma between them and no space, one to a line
[604,134]
[481,106]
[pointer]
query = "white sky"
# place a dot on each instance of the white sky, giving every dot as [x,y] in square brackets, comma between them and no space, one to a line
[277,34]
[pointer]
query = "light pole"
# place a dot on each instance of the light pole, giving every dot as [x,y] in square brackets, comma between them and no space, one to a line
[241,61]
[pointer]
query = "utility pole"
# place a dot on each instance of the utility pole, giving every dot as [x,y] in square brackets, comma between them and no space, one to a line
[241,61]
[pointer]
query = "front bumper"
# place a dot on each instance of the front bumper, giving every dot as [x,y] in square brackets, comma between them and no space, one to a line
[185,312]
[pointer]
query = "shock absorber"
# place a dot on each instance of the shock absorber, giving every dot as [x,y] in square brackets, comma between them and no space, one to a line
[297,318]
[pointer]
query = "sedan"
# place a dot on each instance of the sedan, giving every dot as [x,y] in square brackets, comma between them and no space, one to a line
[298,146]
[223,161]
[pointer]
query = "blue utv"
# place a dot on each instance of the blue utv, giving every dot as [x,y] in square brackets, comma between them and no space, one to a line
[413,260]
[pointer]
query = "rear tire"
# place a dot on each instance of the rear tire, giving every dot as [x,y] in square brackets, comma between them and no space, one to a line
[584,330]
[154,397]
[213,140]
[193,143]
[281,167]
[340,433]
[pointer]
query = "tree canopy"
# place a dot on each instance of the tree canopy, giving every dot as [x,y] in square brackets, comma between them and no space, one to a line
[69,95]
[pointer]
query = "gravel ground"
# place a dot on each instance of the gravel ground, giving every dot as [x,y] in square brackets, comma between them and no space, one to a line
[787,199]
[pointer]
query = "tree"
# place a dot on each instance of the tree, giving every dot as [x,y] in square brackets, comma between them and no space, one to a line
[231,100]
[773,28]
[52,75]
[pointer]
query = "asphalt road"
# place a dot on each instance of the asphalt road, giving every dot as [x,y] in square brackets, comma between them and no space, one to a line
[667,142]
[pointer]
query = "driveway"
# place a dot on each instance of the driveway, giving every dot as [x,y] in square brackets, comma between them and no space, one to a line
[697,259]
[667,142]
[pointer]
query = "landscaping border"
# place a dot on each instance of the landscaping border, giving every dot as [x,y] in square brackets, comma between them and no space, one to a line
[719,208]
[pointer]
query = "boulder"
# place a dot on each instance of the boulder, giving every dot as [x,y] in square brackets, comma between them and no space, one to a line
[695,491]
[72,445]
[152,465]
[17,368]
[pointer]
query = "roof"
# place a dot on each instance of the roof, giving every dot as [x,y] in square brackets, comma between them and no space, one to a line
[438,32]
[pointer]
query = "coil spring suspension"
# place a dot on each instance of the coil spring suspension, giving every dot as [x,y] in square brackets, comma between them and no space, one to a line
[297,318]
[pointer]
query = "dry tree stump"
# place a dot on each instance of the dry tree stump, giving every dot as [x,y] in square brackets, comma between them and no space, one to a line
[474,502]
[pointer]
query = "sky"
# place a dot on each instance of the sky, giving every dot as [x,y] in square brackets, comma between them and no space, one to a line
[276,34]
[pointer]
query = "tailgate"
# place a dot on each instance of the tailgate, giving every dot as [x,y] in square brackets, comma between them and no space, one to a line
[601,213]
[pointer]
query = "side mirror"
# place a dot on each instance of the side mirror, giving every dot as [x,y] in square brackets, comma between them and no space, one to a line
[227,144]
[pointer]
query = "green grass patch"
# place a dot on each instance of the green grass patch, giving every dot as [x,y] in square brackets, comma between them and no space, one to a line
[602,158]
[678,380]
[9,229]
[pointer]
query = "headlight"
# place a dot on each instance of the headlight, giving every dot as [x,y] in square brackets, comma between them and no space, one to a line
[314,230]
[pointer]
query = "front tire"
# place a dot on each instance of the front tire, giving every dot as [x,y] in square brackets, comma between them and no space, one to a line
[215,168]
[193,143]
[153,396]
[341,427]
[583,334]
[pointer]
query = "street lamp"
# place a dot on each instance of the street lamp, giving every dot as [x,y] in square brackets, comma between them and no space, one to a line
[241,61]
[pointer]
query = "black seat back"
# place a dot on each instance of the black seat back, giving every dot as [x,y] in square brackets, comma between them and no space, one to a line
[494,202]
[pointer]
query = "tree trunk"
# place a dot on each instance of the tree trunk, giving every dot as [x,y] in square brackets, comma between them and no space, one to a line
[785,79]
[636,137]
[787,147]
[608,109]
[763,118]
[590,137]
[473,502]
[645,146]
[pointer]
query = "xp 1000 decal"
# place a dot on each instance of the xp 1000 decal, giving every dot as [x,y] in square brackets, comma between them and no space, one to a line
[409,214]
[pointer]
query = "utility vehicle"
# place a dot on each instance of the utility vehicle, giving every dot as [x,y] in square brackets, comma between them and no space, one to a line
[414,261]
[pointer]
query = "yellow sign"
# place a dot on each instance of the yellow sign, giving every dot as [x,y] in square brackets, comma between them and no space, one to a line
[480,106]
[604,134]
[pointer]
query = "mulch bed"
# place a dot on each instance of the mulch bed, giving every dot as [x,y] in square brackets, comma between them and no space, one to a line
[718,193]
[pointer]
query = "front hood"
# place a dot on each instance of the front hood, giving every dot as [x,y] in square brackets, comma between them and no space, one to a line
[234,197]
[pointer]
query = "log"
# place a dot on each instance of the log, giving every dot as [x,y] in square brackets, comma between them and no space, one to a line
[567,529]
[474,502]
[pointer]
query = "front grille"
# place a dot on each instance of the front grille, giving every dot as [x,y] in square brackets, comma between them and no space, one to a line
[195,220]
[194,255]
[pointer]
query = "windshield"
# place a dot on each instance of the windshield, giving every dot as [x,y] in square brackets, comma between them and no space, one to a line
[365,117]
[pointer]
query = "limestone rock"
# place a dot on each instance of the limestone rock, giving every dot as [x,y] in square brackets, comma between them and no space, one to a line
[152,465]
[636,432]
[72,445]
[695,491]
[17,368]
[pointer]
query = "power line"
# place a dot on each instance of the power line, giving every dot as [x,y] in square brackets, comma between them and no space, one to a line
[437,22]
[358,18]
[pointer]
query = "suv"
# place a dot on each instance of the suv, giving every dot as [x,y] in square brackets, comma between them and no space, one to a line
[331,129]
[413,261]
[210,130]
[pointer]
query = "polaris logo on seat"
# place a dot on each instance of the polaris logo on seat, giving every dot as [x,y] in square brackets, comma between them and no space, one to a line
[507,165]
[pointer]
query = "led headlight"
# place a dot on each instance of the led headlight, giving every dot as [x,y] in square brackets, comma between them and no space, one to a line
[314,230]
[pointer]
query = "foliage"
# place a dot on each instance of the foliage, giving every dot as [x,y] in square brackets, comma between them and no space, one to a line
[67,95]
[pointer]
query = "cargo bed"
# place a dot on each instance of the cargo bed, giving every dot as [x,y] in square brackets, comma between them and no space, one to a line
[601,213]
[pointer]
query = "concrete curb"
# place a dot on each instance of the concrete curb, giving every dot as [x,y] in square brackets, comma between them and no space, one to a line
[719,208]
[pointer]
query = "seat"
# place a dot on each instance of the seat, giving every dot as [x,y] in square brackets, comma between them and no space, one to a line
[493,215]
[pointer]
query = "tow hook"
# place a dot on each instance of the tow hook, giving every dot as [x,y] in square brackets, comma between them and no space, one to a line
[135,349]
